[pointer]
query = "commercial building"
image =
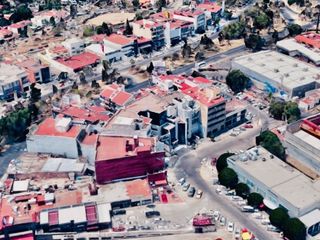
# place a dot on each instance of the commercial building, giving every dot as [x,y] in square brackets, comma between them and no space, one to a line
[213,108]
[296,49]
[310,101]
[312,223]
[302,141]
[120,158]
[279,183]
[56,136]
[279,73]
[13,80]
[76,218]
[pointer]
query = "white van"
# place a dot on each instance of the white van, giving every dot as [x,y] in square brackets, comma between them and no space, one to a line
[247,209]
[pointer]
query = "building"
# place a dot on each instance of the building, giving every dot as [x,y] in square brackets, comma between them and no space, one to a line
[120,158]
[74,45]
[302,141]
[309,39]
[55,136]
[279,73]
[310,101]
[6,35]
[212,11]
[19,28]
[312,222]
[43,18]
[297,49]
[114,96]
[279,183]
[76,218]
[13,80]
[37,72]
[196,17]
[150,29]
[213,108]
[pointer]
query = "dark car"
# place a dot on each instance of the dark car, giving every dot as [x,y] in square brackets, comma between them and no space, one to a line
[152,214]
[119,212]
[191,192]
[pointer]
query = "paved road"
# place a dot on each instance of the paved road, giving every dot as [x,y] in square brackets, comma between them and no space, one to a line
[12,152]
[189,163]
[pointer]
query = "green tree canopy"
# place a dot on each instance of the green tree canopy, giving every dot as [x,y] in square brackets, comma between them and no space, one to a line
[128,29]
[15,125]
[276,109]
[222,161]
[255,199]
[261,21]
[294,29]
[4,22]
[294,229]
[242,190]
[234,30]
[278,217]
[271,142]
[88,31]
[292,111]
[150,68]
[22,12]
[228,178]
[254,42]
[136,4]
[237,81]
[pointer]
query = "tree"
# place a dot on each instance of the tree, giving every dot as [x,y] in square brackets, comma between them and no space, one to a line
[88,31]
[254,42]
[199,56]
[35,93]
[160,4]
[207,42]
[73,10]
[150,68]
[237,81]
[186,50]
[228,178]
[255,199]
[242,190]
[22,12]
[278,217]
[294,29]
[294,229]
[128,29]
[82,78]
[261,21]
[234,30]
[292,112]
[276,109]
[52,21]
[222,161]
[271,142]
[4,22]
[136,4]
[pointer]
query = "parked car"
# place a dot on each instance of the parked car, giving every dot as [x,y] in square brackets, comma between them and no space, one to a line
[265,221]
[185,186]
[223,221]
[247,209]
[231,193]
[118,212]
[230,227]
[237,234]
[248,126]
[181,181]
[151,214]
[191,192]
[199,194]
[236,198]
[216,215]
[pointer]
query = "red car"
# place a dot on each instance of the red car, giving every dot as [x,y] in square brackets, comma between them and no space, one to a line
[248,126]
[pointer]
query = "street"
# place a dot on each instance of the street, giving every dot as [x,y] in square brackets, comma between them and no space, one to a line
[189,163]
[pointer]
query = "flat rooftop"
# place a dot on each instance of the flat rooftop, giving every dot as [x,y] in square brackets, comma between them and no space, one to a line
[10,73]
[308,138]
[279,68]
[292,45]
[114,147]
[280,178]
[112,18]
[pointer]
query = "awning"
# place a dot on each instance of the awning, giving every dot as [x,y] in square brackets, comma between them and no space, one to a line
[270,204]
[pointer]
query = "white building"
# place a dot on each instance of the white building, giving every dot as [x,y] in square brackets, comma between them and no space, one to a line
[296,49]
[13,80]
[56,136]
[42,18]
[312,223]
[276,181]
[74,45]
[276,72]
[196,17]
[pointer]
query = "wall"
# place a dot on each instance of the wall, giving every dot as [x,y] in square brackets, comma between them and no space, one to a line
[141,31]
[129,166]
[89,152]
[55,145]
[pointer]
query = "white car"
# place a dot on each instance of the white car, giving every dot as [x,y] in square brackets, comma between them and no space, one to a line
[199,194]
[216,215]
[237,234]
[230,227]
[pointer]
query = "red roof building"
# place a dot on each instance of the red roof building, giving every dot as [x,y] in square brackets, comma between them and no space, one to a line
[310,39]
[116,94]
[78,62]
[88,115]
[124,158]
[211,7]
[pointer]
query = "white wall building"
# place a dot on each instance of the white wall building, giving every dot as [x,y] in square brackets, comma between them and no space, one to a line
[276,181]
[74,45]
